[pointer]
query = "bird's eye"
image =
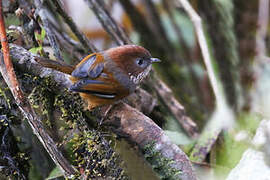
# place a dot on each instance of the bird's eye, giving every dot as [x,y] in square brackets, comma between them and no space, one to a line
[141,62]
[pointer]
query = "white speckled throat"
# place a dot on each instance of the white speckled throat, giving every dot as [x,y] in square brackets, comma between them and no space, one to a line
[137,79]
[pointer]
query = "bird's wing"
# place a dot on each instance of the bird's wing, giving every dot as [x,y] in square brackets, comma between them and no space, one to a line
[90,75]
[90,67]
[94,87]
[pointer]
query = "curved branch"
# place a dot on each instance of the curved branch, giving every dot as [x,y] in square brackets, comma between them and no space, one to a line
[132,121]
[143,131]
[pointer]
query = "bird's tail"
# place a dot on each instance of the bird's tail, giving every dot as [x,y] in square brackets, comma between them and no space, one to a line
[57,65]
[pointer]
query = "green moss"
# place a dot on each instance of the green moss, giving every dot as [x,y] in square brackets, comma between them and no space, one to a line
[42,96]
[161,165]
[88,151]
[14,163]
[3,95]
[94,156]
[71,111]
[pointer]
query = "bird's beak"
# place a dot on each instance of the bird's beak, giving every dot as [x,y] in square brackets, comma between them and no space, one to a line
[155,60]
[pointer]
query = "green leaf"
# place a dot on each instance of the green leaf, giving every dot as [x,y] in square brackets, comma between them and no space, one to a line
[40,36]
[229,152]
[55,173]
[35,50]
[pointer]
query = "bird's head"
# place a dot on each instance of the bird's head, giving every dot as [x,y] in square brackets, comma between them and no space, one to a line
[134,60]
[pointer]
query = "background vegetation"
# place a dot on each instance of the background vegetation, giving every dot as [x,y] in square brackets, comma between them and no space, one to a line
[209,94]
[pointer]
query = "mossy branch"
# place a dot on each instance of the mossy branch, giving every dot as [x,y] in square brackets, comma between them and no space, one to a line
[139,127]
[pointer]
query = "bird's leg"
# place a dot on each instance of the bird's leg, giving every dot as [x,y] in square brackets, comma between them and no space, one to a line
[105,110]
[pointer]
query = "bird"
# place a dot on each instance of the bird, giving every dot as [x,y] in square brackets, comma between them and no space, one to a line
[108,76]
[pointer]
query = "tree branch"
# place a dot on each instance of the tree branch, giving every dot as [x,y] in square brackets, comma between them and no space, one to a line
[197,22]
[47,26]
[24,105]
[261,34]
[11,77]
[144,131]
[87,45]
[217,122]
[177,110]
[108,23]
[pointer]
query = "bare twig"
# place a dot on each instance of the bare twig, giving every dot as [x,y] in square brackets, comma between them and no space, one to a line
[219,19]
[197,22]
[140,24]
[218,121]
[187,52]
[9,66]
[35,122]
[108,22]
[24,4]
[260,67]
[177,110]
[88,46]
[261,34]
[69,45]
[47,26]
[168,6]
[157,28]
